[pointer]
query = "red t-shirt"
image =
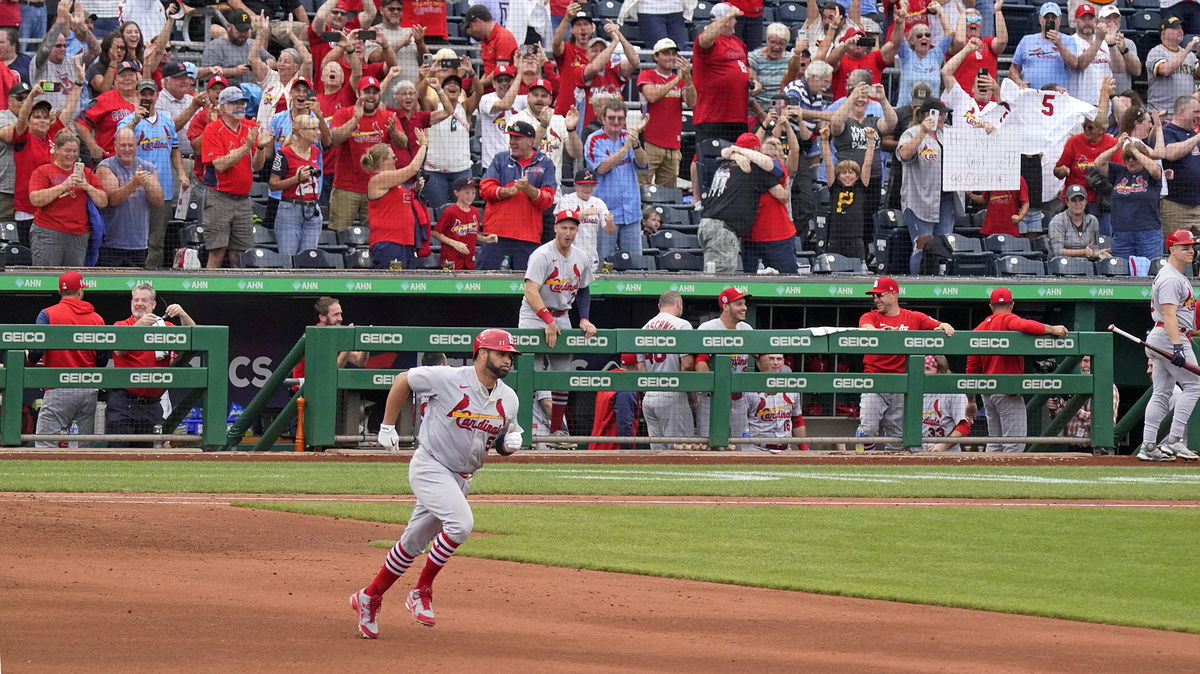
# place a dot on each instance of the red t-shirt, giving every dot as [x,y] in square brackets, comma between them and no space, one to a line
[372,130]
[1079,155]
[220,140]
[419,120]
[141,360]
[609,81]
[68,213]
[499,46]
[872,61]
[666,114]
[722,77]
[105,116]
[1001,206]
[749,8]
[30,152]
[392,218]
[428,13]
[462,226]
[378,70]
[285,165]
[570,66]
[1004,364]
[916,16]
[905,320]
[10,15]
[330,104]
[8,79]
[980,58]
[773,222]
[196,130]
[319,50]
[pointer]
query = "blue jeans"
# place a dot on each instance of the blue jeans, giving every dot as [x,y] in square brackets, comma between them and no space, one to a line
[102,27]
[33,24]
[297,227]
[437,186]
[918,228]
[1105,219]
[492,255]
[750,30]
[384,253]
[655,27]
[628,239]
[1140,243]
[778,254]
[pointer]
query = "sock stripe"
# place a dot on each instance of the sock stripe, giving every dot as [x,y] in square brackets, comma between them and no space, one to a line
[442,549]
[398,562]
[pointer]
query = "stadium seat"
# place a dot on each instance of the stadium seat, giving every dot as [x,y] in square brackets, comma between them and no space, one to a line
[634,35]
[358,259]
[1145,4]
[191,236]
[679,261]
[606,9]
[1071,266]
[262,258]
[626,261]
[657,194]
[328,242]
[821,197]
[9,233]
[672,216]
[702,13]
[456,10]
[317,259]
[832,263]
[885,220]
[265,238]
[355,237]
[16,255]
[969,257]
[1146,20]
[1103,242]
[258,190]
[819,237]
[1016,265]
[791,13]
[1156,265]
[1003,244]
[1113,266]
[427,262]
[456,34]
[667,239]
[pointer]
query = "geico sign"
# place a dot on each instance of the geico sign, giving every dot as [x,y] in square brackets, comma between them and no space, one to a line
[526,340]
[1053,343]
[164,338]
[450,339]
[590,381]
[989,342]
[858,341]
[654,341]
[724,341]
[575,340]
[1044,384]
[94,338]
[151,377]
[657,382]
[380,379]
[381,338]
[924,342]
[795,340]
[80,378]
[787,382]
[863,383]
[976,384]
[17,336]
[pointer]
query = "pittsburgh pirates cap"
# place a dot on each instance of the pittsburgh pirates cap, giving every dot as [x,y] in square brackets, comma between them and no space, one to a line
[884,284]
[730,295]
[1001,296]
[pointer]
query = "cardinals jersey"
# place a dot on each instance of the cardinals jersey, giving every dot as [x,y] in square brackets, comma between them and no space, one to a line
[561,277]
[1172,287]
[1044,120]
[740,361]
[461,418]
[663,362]
[770,415]
[969,110]
[942,412]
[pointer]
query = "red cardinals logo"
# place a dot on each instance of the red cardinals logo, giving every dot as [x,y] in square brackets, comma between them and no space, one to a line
[466,419]
[564,285]
[773,413]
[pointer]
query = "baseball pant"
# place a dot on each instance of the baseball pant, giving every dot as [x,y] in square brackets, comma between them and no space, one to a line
[1006,417]
[61,406]
[441,504]
[1163,377]
[881,414]
[126,413]
[667,415]
[556,362]
[738,423]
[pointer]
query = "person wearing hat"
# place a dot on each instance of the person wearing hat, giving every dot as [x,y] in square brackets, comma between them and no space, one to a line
[356,130]
[32,137]
[459,228]
[1043,58]
[98,125]
[973,24]
[600,78]
[1005,412]
[209,112]
[61,406]
[742,176]
[231,53]
[494,110]
[1169,66]
[571,53]
[232,149]
[928,211]
[133,190]
[8,166]
[518,186]
[178,103]
[1137,184]
[1075,232]
[982,103]
[555,133]
[557,280]
[614,154]
[157,143]
[1096,56]
[1079,155]
[733,307]
[721,70]
[279,81]
[1125,62]
[1173,310]
[496,43]
[883,413]
[666,88]
[594,215]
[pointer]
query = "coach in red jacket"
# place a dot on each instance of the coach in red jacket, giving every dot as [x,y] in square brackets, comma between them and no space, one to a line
[517,187]
[1006,411]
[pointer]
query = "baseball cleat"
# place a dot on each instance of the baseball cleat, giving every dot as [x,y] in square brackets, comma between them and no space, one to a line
[420,602]
[1177,447]
[562,445]
[1148,452]
[367,608]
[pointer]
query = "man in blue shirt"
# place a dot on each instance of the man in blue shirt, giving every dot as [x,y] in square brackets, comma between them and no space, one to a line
[615,155]
[1181,167]
[133,187]
[157,143]
[1042,58]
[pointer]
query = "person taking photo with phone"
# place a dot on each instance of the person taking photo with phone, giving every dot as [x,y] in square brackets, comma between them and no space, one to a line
[133,189]
[1042,58]
[58,192]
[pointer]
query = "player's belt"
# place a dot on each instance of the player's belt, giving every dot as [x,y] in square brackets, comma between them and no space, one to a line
[1160,325]
[465,476]
[557,312]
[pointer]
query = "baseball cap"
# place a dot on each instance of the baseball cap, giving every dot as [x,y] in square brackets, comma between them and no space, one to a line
[476,13]
[852,33]
[19,89]
[920,92]
[748,141]
[730,295]
[174,69]
[69,281]
[664,44]
[147,84]
[584,175]
[1109,10]
[1085,10]
[884,284]
[543,83]
[129,65]
[567,215]
[521,128]
[238,19]
[596,40]
[1180,237]
[231,95]
[932,103]
[302,80]
[1171,22]
[581,16]
[504,69]
[1001,296]
[445,53]
[217,80]
[1073,191]
[721,9]
[344,5]
[462,182]
[367,82]
[1049,8]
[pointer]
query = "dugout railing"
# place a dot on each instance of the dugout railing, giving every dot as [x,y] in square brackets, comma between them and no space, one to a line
[208,383]
[321,346]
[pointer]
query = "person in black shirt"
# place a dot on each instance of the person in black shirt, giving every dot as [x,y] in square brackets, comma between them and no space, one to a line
[731,204]
[849,184]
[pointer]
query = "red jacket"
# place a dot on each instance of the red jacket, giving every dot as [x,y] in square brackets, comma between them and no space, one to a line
[1006,321]
[70,311]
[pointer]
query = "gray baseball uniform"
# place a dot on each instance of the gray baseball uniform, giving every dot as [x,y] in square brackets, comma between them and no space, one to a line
[561,278]
[737,405]
[771,415]
[1171,287]
[667,413]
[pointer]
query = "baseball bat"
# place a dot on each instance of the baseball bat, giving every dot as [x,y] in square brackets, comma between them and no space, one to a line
[1162,352]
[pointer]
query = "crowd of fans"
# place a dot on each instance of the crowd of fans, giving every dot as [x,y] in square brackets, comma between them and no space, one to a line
[781,136]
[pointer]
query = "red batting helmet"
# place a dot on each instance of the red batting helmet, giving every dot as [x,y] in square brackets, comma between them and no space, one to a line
[494,339]
[1180,237]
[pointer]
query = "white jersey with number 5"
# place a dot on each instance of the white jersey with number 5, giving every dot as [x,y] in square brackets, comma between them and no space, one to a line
[1044,121]
[462,418]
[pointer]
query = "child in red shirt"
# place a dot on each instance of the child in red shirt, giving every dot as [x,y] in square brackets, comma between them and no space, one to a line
[458,228]
[1005,210]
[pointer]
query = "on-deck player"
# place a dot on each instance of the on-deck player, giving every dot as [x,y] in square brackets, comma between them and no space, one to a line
[1173,308]
[667,413]
[733,317]
[945,415]
[557,278]
[884,412]
[773,415]
[468,408]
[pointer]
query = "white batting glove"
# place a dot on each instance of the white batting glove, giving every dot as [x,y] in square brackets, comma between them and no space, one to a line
[389,438]
[512,442]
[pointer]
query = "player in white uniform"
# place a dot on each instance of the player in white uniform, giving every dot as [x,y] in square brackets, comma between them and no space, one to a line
[1173,308]
[667,413]
[945,415]
[733,313]
[468,409]
[773,415]
[557,278]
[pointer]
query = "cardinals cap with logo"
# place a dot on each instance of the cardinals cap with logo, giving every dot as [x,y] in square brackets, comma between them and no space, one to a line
[730,295]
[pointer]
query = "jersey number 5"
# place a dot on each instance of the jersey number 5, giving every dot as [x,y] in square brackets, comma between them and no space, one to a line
[1048,105]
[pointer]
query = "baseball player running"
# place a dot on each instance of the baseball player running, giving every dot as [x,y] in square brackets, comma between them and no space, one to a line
[884,412]
[1005,412]
[945,415]
[557,278]
[733,317]
[1173,308]
[773,415]
[667,413]
[468,409]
